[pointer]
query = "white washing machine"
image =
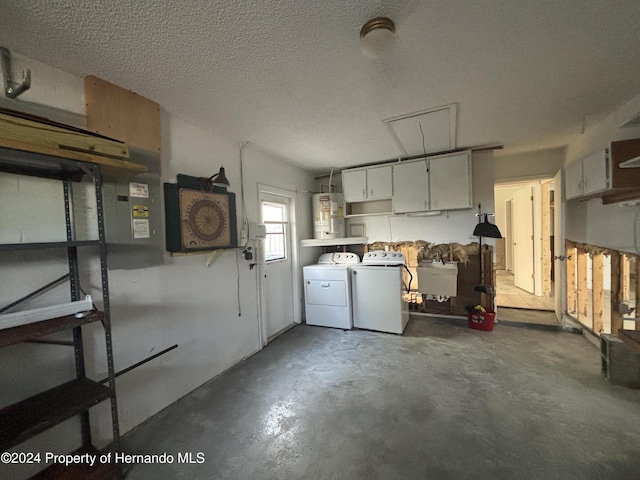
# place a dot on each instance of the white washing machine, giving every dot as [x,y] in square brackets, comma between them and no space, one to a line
[327,290]
[377,290]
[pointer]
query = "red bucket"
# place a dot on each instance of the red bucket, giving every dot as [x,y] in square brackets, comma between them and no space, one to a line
[481,320]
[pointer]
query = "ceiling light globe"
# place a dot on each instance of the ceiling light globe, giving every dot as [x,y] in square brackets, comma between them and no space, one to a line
[377,37]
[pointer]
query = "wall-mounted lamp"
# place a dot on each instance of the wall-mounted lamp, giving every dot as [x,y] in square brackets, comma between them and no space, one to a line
[377,37]
[219,179]
[216,180]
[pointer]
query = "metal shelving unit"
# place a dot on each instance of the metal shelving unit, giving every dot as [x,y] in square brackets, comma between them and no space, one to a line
[31,416]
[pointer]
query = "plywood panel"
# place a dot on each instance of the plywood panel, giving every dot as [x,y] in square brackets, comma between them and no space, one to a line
[583,293]
[617,321]
[598,293]
[625,278]
[122,114]
[572,304]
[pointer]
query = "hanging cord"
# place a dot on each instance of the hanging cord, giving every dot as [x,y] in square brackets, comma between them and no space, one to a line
[238,281]
[410,277]
[245,221]
[330,180]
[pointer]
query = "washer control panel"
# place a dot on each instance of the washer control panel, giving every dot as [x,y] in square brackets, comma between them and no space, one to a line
[339,258]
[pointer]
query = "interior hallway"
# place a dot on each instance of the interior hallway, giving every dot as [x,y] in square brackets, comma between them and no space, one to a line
[517,305]
[440,402]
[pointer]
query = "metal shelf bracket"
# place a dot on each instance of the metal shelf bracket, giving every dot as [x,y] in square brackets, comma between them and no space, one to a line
[13,89]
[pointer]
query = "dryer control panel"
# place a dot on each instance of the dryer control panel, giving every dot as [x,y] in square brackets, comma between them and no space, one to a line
[381,257]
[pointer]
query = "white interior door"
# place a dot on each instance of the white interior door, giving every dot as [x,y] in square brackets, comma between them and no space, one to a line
[276,275]
[509,237]
[523,261]
[559,265]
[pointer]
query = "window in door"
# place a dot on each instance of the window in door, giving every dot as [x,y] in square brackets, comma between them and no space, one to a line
[275,220]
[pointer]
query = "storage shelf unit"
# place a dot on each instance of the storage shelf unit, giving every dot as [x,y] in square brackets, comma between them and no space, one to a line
[39,246]
[31,331]
[38,413]
[29,417]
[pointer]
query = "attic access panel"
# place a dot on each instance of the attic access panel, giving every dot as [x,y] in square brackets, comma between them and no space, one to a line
[427,131]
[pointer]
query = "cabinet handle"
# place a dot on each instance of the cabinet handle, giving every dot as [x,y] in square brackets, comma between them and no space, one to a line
[372,192]
[364,193]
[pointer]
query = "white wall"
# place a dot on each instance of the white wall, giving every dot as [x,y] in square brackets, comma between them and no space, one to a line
[454,226]
[528,166]
[182,302]
[611,226]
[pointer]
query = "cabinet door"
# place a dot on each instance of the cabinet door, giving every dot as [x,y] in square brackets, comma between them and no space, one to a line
[354,185]
[410,187]
[450,182]
[595,172]
[573,180]
[379,184]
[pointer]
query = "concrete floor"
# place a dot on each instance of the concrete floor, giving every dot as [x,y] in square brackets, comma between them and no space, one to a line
[440,402]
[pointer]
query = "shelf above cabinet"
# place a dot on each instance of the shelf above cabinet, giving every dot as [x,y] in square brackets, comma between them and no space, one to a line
[38,413]
[327,242]
[22,333]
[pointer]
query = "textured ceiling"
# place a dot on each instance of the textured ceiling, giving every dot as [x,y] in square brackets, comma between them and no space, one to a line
[288,75]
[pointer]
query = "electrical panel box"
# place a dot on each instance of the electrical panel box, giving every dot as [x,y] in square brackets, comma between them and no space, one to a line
[133,215]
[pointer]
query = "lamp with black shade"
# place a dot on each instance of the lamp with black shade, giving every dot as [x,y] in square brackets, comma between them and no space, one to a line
[216,180]
[484,228]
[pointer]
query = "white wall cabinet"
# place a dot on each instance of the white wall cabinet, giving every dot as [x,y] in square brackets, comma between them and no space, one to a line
[441,182]
[373,183]
[436,183]
[573,180]
[450,182]
[599,174]
[411,187]
[354,185]
[589,175]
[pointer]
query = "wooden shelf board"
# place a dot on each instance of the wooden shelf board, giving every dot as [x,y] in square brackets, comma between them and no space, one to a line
[9,336]
[43,245]
[99,471]
[51,141]
[36,414]
[333,241]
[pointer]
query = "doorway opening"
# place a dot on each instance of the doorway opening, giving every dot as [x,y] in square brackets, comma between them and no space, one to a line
[524,256]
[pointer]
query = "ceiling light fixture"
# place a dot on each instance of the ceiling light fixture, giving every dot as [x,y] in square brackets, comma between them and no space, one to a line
[377,37]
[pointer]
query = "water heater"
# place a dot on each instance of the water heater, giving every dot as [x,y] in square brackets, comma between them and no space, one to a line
[328,216]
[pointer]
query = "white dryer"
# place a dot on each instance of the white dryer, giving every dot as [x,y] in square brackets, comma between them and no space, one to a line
[327,290]
[377,289]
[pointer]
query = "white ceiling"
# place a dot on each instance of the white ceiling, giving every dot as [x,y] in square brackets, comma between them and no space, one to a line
[288,75]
